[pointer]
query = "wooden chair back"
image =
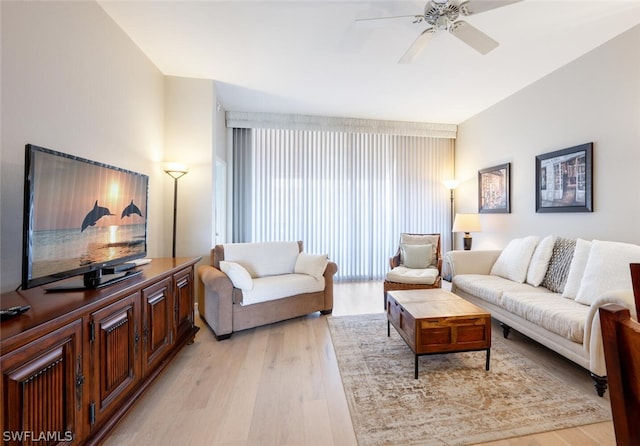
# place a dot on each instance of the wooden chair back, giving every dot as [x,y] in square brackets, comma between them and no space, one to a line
[621,339]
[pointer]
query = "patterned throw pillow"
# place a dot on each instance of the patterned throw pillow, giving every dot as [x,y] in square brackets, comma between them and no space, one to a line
[559,265]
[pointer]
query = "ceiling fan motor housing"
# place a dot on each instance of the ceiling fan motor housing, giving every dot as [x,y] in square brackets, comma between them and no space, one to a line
[441,14]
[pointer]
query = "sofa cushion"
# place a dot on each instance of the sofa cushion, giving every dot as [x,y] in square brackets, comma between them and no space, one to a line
[548,310]
[576,270]
[540,261]
[311,264]
[513,262]
[417,256]
[239,276]
[264,258]
[559,264]
[607,269]
[490,288]
[402,274]
[277,287]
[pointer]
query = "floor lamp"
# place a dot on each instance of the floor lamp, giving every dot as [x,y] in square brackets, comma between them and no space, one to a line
[175,171]
[451,185]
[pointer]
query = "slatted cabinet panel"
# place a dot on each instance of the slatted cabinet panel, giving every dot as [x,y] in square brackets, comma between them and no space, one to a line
[42,387]
[183,302]
[115,339]
[157,323]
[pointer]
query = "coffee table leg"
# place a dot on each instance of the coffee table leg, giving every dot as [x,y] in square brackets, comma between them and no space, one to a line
[415,373]
[388,328]
[488,356]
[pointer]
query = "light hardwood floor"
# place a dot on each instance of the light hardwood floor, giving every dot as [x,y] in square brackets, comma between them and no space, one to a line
[280,385]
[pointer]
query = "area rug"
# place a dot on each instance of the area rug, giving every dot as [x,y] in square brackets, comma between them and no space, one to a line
[455,401]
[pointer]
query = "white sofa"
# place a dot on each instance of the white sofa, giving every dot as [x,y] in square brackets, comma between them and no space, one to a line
[252,284]
[550,289]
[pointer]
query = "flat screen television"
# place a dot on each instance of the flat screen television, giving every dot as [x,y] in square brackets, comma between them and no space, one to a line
[82,219]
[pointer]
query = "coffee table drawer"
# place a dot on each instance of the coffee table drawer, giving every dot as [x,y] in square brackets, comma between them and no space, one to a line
[450,334]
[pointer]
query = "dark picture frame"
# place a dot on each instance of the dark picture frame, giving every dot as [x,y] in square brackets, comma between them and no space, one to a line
[564,180]
[493,189]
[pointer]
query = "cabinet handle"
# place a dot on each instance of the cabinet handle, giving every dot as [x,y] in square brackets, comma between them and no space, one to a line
[79,382]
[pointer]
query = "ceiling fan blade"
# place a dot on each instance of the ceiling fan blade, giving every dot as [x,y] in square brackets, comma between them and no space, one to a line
[374,20]
[477,6]
[418,45]
[473,37]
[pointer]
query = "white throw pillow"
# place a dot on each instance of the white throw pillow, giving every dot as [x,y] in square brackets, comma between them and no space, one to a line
[513,261]
[576,270]
[239,276]
[311,264]
[540,260]
[607,269]
[417,256]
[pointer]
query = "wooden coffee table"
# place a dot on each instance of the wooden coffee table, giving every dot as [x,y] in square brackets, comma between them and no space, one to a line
[433,321]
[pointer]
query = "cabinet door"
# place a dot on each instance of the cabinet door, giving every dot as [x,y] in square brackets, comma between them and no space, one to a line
[157,322]
[183,295]
[114,335]
[42,385]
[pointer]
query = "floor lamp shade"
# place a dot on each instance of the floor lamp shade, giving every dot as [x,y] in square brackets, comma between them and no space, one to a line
[467,223]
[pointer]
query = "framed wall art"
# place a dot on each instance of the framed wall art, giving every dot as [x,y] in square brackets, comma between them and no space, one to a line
[493,189]
[564,180]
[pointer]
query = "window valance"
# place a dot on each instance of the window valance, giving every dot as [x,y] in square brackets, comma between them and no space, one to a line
[334,124]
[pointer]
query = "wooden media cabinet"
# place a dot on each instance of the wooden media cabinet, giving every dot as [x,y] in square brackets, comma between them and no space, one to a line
[75,363]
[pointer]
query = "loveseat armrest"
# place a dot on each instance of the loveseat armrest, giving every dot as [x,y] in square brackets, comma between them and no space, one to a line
[593,331]
[215,300]
[329,272]
[471,262]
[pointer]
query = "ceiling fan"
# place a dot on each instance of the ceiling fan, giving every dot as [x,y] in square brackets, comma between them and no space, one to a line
[443,15]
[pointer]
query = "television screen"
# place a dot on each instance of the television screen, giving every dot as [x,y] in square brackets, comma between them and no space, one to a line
[80,217]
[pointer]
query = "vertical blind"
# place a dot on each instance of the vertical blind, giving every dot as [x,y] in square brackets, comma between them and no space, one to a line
[348,195]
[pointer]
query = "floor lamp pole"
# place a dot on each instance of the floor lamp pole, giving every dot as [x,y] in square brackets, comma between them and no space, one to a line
[175,214]
[175,171]
[452,215]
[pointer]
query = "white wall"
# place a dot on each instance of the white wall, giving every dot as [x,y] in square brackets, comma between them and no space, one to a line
[595,98]
[190,116]
[73,81]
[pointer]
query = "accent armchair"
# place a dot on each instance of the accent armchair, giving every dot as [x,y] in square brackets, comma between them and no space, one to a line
[417,264]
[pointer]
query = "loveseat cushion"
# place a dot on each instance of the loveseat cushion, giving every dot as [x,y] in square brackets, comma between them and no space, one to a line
[563,317]
[263,258]
[402,274]
[311,264]
[277,287]
[239,276]
[491,288]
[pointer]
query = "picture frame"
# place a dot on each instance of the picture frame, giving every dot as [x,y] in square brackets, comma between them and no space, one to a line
[493,189]
[564,180]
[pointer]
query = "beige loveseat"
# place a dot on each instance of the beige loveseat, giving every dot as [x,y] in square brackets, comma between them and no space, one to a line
[550,289]
[253,284]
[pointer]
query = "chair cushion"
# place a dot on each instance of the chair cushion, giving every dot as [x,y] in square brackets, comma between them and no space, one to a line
[417,256]
[402,274]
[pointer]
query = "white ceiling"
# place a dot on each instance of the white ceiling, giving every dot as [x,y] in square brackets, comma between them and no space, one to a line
[309,57]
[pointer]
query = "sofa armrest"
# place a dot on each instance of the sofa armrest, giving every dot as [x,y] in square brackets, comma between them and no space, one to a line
[593,331]
[471,262]
[215,299]
[329,272]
